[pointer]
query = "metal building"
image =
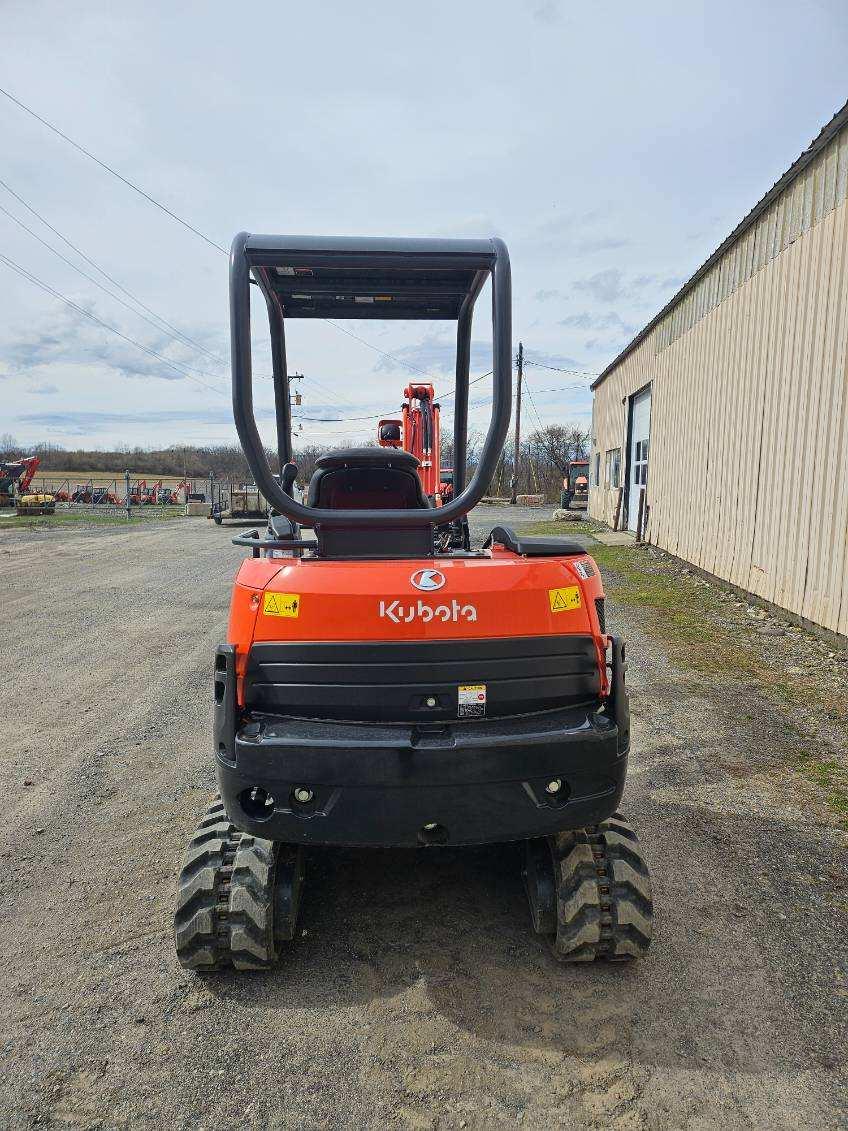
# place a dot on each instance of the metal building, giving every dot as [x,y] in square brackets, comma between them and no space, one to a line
[727,416]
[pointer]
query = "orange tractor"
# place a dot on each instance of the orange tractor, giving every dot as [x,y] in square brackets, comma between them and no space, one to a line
[378,689]
[142,495]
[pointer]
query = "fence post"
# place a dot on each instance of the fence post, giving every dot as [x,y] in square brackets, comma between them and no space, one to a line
[127,496]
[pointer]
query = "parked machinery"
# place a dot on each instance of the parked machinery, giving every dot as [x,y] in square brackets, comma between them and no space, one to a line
[16,476]
[575,486]
[242,501]
[379,690]
[419,433]
[143,495]
[95,494]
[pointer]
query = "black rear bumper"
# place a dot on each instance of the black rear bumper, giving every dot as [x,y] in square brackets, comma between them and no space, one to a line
[469,782]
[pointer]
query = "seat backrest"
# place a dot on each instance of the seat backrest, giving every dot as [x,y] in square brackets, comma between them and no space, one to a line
[367,479]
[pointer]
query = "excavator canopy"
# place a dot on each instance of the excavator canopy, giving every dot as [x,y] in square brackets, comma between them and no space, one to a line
[371,278]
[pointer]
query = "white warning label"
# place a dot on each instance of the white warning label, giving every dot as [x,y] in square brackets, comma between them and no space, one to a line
[471,699]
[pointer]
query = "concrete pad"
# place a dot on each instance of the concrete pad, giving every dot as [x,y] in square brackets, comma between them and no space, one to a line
[616,538]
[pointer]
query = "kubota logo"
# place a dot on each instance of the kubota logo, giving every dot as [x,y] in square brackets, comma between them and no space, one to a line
[428,580]
[398,613]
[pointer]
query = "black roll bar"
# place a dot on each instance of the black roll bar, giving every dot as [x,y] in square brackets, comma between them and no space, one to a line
[460,399]
[494,260]
[279,370]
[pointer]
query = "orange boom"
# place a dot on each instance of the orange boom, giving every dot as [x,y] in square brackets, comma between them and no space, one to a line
[385,684]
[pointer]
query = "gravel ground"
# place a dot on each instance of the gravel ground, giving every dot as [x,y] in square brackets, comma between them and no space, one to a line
[417,996]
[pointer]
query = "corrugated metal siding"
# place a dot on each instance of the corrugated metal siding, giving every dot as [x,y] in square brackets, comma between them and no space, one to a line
[748,475]
[820,188]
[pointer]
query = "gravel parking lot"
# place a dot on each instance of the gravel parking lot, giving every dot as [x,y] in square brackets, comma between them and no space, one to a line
[418,996]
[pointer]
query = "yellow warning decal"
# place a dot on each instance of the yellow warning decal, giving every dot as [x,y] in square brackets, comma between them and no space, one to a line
[281,604]
[563,599]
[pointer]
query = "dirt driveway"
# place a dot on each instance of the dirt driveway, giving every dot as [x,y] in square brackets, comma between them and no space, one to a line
[418,996]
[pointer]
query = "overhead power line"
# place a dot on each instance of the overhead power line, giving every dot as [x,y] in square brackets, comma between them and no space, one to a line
[179,219]
[533,404]
[559,369]
[91,279]
[115,283]
[482,377]
[377,349]
[372,416]
[176,366]
[103,165]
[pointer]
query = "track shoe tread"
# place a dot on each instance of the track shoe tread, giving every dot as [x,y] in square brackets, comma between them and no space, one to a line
[603,894]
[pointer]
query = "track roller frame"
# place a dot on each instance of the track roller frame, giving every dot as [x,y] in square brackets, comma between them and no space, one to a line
[590,893]
[238,899]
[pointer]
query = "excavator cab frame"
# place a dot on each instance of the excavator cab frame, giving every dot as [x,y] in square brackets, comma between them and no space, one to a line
[359,277]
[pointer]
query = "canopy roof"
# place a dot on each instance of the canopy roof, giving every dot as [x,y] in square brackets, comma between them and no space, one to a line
[361,277]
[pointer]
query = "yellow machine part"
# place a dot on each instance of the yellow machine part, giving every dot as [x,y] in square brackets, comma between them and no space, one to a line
[36,504]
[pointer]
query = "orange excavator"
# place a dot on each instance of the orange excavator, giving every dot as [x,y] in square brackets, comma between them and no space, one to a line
[378,691]
[419,433]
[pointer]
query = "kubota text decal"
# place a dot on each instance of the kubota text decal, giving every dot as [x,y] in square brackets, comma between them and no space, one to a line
[399,613]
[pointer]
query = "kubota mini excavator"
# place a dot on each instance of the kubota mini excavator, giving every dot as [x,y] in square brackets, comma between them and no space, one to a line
[378,690]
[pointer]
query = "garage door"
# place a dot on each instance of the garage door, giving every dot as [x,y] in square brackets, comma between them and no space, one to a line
[637,463]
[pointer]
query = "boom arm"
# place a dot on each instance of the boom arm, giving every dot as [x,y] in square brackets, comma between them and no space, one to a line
[21,471]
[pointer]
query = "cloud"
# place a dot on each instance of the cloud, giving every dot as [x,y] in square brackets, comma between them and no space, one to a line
[45,389]
[578,233]
[67,336]
[545,296]
[605,286]
[434,354]
[553,361]
[84,422]
[547,12]
[587,321]
[589,244]
[611,285]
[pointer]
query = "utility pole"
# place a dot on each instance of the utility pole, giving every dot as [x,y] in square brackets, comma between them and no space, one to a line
[514,498]
[296,398]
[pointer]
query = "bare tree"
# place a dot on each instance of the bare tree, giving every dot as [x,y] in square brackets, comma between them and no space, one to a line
[559,444]
[9,448]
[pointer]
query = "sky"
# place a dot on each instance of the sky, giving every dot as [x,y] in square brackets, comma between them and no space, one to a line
[612,146]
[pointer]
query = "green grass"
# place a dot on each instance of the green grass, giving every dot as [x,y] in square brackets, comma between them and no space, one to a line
[63,518]
[832,780]
[691,620]
[690,613]
[563,529]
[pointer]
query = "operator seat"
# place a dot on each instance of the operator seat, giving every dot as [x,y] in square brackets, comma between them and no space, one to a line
[367,479]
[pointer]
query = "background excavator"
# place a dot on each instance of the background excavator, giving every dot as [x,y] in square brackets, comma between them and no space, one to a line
[15,479]
[575,486]
[419,433]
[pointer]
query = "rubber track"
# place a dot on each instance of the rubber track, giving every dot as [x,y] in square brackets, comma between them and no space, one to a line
[604,899]
[224,913]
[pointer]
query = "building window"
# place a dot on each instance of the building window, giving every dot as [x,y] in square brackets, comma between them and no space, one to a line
[596,470]
[612,474]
